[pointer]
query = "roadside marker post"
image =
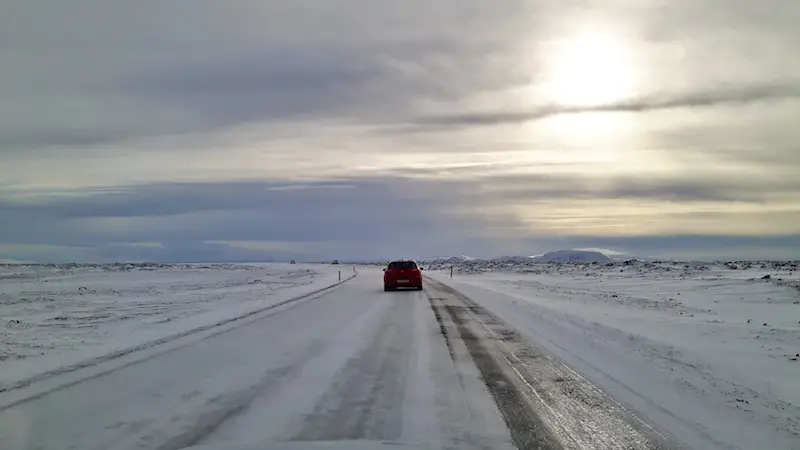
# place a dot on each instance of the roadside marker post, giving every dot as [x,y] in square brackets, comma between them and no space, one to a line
[451,271]
[340,275]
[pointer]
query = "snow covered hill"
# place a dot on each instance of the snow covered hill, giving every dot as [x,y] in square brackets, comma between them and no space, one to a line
[573,256]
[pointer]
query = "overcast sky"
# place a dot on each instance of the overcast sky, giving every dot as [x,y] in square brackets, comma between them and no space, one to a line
[253,129]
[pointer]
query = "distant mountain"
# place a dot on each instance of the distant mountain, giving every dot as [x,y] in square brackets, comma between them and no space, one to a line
[573,256]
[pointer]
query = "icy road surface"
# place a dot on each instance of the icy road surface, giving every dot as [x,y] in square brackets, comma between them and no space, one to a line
[352,362]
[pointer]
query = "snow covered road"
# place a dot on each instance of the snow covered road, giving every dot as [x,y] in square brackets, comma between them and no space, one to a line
[353,362]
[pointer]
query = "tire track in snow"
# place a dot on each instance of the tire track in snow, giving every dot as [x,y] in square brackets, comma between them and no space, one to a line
[545,403]
[364,398]
[225,407]
[527,429]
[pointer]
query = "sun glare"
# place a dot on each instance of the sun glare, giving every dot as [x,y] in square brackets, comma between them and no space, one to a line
[587,69]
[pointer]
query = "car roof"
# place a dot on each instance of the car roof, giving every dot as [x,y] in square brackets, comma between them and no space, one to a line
[402,260]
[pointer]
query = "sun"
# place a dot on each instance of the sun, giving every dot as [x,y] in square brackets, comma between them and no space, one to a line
[588,68]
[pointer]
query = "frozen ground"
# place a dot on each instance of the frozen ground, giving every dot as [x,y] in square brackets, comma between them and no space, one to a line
[707,350]
[58,316]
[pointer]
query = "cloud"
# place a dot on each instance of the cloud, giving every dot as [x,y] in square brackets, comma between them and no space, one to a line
[295,187]
[684,189]
[98,72]
[171,199]
[712,98]
[368,218]
[282,85]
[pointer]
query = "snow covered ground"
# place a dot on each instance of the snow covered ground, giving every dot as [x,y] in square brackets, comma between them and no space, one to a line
[56,317]
[705,353]
[709,351]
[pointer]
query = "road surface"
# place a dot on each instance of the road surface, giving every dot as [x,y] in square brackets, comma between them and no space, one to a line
[353,363]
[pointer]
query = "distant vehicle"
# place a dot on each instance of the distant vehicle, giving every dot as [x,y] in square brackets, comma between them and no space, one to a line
[335,261]
[402,274]
[292,262]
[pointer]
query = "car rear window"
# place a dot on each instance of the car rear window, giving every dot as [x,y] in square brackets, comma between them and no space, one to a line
[402,265]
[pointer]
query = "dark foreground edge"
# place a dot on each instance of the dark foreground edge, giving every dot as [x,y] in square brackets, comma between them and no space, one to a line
[545,404]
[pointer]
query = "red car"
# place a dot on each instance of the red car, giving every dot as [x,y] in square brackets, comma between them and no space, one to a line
[402,273]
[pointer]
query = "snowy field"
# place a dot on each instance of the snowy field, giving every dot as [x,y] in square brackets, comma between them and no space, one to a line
[54,317]
[709,351]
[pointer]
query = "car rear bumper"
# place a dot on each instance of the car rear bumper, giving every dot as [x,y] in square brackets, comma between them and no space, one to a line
[410,284]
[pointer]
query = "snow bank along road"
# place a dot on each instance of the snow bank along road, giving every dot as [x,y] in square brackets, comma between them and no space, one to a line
[430,368]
